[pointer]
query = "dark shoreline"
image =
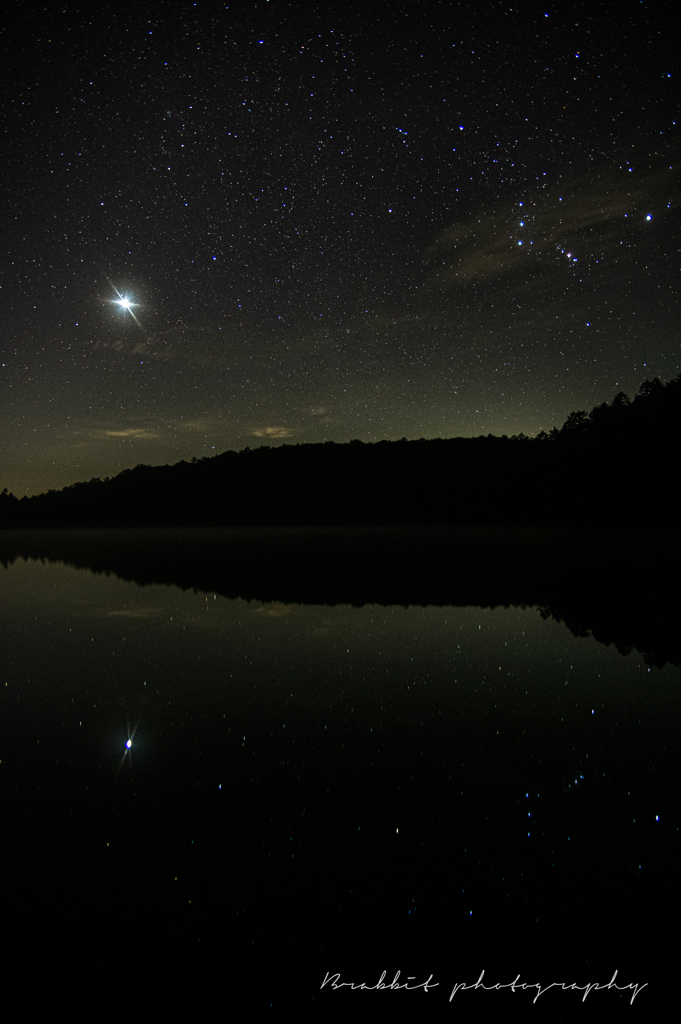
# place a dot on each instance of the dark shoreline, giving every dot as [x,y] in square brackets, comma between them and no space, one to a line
[612,467]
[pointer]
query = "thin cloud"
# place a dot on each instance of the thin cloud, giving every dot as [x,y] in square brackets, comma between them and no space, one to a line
[196,346]
[275,433]
[138,433]
[209,423]
[585,217]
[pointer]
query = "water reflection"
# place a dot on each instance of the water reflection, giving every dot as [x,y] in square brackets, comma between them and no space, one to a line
[600,583]
[328,787]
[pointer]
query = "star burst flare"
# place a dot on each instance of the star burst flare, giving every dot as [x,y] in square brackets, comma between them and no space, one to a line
[126,304]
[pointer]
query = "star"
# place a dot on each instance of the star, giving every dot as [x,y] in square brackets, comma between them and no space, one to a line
[125,303]
[127,752]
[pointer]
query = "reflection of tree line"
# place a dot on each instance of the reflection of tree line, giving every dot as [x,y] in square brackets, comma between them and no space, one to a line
[597,581]
[612,465]
[651,629]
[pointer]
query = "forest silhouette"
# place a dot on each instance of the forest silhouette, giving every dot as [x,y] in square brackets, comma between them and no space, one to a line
[614,465]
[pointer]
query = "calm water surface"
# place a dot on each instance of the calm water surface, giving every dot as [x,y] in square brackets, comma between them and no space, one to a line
[315,788]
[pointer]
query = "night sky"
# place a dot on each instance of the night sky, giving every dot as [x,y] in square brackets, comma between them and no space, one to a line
[332,221]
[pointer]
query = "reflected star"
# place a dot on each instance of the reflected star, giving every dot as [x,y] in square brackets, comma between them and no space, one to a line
[127,750]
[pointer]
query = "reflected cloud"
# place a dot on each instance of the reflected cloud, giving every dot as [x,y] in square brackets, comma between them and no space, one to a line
[274,611]
[133,613]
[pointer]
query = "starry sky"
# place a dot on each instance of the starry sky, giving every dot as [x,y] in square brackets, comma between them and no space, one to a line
[331,221]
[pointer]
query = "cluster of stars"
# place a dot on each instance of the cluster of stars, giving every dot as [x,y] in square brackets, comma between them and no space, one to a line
[296,219]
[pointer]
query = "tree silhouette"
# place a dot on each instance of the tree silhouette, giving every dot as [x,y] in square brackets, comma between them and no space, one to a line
[573,474]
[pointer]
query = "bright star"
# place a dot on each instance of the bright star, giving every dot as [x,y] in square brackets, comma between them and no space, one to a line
[125,303]
[127,752]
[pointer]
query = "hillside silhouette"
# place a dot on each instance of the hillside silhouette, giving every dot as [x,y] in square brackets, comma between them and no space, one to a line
[614,465]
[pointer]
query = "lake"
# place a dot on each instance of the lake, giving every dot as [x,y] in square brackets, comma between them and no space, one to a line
[234,761]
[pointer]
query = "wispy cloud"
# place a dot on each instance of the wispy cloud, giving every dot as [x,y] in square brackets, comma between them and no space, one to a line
[587,216]
[205,423]
[321,413]
[273,432]
[136,433]
[194,345]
